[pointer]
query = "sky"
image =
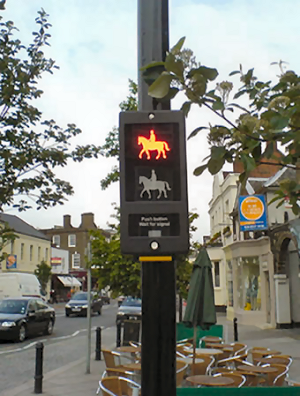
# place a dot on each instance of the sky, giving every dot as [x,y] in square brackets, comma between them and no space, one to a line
[94,42]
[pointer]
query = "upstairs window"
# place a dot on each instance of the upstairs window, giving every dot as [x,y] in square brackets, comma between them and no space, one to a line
[31,252]
[56,240]
[22,251]
[76,260]
[72,240]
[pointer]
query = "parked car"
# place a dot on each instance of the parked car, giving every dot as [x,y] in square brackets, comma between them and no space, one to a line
[78,304]
[21,317]
[130,309]
[120,300]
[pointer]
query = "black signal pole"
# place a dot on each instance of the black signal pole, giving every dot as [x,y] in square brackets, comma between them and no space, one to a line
[158,278]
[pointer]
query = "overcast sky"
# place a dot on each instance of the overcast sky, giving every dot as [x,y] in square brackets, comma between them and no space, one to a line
[94,42]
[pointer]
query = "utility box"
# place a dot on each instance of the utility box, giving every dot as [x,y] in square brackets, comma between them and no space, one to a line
[131,331]
[153,183]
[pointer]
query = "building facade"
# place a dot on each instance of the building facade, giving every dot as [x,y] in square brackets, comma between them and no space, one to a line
[29,249]
[220,206]
[76,241]
[255,286]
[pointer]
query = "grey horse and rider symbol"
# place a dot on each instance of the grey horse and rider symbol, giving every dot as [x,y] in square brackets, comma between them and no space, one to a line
[153,184]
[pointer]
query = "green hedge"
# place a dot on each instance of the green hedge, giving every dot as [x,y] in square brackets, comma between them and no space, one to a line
[183,332]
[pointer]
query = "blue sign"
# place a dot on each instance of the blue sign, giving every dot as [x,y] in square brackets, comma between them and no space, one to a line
[11,261]
[253,213]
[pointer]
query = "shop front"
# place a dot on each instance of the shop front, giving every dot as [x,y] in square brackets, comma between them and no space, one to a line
[249,269]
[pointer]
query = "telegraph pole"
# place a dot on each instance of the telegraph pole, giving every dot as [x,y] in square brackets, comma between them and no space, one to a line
[158,278]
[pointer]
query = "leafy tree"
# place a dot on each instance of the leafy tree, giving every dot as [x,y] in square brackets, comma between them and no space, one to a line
[30,146]
[7,236]
[43,273]
[272,115]
[111,147]
[121,273]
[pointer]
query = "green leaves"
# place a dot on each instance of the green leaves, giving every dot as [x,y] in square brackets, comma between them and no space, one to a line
[195,131]
[174,66]
[161,86]
[178,46]
[36,146]
[207,72]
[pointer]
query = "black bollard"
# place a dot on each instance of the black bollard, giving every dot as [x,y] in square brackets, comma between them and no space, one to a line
[118,334]
[98,343]
[38,378]
[235,329]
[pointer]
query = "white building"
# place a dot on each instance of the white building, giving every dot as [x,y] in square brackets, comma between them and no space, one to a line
[220,206]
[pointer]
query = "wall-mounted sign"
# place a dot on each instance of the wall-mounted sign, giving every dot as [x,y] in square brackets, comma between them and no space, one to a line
[55,261]
[253,213]
[11,261]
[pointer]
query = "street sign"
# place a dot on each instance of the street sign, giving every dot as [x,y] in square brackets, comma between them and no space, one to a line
[153,186]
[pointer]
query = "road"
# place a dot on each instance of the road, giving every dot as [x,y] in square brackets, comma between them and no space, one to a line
[67,343]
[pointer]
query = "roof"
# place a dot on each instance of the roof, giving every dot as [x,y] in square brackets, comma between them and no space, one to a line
[21,227]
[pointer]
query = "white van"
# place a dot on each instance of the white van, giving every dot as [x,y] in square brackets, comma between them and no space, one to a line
[19,284]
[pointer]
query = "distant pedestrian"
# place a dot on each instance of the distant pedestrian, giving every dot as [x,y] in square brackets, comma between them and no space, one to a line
[69,295]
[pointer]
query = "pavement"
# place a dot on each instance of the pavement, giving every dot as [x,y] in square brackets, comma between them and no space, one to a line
[72,379]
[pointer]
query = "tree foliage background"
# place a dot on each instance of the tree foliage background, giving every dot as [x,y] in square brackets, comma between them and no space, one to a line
[247,134]
[43,273]
[31,147]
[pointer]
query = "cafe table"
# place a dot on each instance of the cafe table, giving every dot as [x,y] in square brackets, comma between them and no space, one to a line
[275,360]
[257,369]
[266,352]
[128,349]
[189,360]
[205,351]
[208,380]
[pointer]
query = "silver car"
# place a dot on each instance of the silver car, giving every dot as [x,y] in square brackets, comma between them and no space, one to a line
[130,309]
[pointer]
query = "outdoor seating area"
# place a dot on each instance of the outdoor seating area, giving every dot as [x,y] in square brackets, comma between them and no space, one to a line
[215,365]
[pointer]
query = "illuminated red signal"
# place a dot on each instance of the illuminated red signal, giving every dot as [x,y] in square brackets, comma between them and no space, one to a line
[152,144]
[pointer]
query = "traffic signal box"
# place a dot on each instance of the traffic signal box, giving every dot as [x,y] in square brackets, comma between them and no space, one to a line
[153,183]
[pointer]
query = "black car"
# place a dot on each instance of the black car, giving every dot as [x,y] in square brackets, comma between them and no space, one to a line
[21,317]
[79,303]
[130,309]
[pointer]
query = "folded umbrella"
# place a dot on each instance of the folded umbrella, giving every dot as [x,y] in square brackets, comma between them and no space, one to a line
[200,308]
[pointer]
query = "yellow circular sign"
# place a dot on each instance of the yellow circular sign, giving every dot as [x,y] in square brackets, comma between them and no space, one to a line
[252,208]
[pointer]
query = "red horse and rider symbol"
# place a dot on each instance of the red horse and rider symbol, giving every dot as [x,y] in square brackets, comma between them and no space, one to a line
[152,144]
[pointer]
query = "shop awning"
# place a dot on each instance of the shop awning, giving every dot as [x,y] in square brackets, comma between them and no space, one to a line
[69,281]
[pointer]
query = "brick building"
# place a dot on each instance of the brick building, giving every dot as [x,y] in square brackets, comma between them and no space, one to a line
[75,241]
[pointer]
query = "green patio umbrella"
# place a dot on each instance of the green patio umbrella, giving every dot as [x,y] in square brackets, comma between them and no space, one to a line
[200,308]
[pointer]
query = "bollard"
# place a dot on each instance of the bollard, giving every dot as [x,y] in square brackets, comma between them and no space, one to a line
[98,344]
[235,329]
[38,378]
[118,334]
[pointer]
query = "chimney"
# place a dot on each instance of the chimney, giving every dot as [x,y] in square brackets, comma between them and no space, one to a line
[87,221]
[67,221]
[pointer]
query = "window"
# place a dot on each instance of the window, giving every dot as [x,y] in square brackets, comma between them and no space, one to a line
[12,246]
[72,240]
[39,254]
[31,252]
[230,283]
[56,240]
[76,260]
[249,293]
[22,251]
[217,273]
[46,254]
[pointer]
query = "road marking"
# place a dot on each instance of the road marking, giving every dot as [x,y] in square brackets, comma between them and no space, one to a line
[32,344]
